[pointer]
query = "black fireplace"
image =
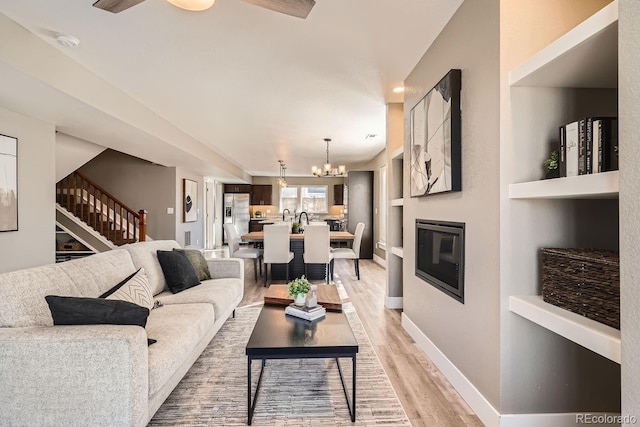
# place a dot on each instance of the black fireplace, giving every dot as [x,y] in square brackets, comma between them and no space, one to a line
[440,255]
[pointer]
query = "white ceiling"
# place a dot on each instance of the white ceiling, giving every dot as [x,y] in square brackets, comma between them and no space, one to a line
[254,85]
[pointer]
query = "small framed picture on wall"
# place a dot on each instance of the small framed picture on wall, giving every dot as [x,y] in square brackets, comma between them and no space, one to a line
[190,201]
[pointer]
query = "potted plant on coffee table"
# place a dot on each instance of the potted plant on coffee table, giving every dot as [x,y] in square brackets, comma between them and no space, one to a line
[298,289]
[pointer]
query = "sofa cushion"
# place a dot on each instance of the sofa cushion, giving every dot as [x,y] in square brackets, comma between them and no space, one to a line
[196,258]
[22,292]
[178,271]
[135,290]
[95,311]
[144,255]
[221,293]
[97,273]
[178,328]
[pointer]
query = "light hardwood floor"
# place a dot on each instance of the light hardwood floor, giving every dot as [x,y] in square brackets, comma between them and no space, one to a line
[426,395]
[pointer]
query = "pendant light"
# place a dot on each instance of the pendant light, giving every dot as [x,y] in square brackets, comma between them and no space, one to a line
[327,170]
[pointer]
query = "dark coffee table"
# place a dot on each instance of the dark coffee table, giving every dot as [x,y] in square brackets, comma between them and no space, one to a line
[278,336]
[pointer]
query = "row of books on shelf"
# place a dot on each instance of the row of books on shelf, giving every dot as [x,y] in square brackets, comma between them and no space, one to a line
[588,145]
[304,312]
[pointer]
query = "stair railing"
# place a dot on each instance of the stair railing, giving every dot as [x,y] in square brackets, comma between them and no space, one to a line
[101,210]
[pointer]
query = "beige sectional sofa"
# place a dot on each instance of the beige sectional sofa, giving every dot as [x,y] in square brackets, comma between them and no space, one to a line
[103,375]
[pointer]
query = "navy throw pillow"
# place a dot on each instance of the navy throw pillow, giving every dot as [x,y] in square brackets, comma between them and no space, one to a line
[178,270]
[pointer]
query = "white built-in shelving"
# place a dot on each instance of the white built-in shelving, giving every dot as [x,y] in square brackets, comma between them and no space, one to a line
[397,251]
[590,334]
[594,186]
[573,77]
[584,57]
[395,227]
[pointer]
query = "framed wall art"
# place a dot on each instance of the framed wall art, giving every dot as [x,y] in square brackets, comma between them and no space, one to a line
[8,183]
[435,144]
[190,202]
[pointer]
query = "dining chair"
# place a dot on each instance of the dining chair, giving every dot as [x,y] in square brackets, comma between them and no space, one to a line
[317,249]
[276,247]
[233,240]
[353,252]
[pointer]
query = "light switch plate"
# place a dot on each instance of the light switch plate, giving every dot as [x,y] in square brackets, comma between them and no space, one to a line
[169,211]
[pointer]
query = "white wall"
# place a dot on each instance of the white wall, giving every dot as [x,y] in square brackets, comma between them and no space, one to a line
[72,152]
[468,334]
[629,112]
[34,242]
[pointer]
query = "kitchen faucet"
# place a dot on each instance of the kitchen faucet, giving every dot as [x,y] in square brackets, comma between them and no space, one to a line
[306,216]
[288,211]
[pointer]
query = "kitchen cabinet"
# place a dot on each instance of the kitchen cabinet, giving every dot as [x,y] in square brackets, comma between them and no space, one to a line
[261,194]
[256,225]
[338,194]
[237,188]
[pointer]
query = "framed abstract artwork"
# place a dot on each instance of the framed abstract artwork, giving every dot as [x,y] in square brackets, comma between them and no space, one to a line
[435,144]
[190,202]
[8,183]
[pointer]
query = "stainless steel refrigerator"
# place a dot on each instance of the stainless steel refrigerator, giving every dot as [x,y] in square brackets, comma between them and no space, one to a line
[236,212]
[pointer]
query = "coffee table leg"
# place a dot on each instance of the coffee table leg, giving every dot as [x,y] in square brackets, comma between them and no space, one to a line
[249,411]
[353,393]
[351,405]
[251,403]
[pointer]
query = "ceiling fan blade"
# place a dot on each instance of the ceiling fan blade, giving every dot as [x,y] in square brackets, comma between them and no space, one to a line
[116,6]
[297,8]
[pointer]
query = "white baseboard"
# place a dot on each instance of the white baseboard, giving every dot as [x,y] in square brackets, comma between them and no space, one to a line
[481,406]
[379,260]
[393,302]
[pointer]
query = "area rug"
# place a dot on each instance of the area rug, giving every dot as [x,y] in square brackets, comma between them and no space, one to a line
[304,392]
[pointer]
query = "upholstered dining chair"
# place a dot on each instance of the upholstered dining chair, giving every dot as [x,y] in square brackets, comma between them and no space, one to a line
[353,252]
[233,239]
[317,249]
[276,247]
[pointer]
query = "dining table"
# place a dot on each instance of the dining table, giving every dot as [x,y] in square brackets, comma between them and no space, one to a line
[296,244]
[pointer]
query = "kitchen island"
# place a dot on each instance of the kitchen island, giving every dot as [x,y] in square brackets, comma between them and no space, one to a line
[296,267]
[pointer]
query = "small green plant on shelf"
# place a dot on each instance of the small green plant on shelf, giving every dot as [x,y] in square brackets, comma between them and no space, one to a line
[299,286]
[551,166]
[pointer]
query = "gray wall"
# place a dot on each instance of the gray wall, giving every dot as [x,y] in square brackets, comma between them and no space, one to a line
[140,185]
[34,242]
[629,99]
[468,334]
[197,227]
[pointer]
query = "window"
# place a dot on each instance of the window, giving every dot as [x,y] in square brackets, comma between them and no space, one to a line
[382,221]
[288,198]
[308,198]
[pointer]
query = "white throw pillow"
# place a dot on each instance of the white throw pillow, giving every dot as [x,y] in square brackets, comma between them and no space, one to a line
[136,290]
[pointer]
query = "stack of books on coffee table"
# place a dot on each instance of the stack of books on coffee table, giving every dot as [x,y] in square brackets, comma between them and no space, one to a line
[304,312]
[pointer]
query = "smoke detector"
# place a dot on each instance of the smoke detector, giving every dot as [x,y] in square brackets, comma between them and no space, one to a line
[67,40]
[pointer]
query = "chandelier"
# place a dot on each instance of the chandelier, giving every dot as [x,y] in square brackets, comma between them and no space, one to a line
[282,181]
[327,170]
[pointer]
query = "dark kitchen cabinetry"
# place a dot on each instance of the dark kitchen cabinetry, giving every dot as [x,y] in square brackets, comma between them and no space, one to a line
[360,208]
[256,225]
[237,188]
[338,194]
[261,194]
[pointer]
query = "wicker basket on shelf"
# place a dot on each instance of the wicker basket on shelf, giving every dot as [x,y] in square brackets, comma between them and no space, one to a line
[584,281]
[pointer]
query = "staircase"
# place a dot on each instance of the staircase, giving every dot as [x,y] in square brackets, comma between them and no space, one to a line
[100,210]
